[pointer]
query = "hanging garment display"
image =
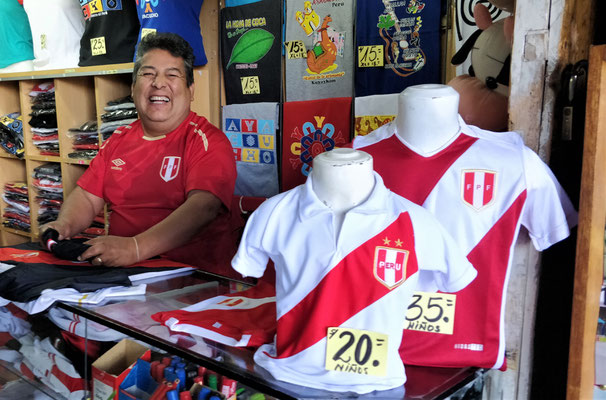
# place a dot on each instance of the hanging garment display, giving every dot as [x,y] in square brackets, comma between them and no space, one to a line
[371,112]
[311,128]
[251,42]
[319,49]
[398,45]
[182,18]
[251,129]
[57,27]
[110,32]
[16,43]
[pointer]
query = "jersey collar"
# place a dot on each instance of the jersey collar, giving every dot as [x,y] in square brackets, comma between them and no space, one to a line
[310,206]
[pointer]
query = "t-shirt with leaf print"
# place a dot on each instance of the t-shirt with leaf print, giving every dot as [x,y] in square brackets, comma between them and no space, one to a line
[250,47]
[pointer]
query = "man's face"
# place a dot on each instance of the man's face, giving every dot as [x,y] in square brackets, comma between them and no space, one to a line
[160,92]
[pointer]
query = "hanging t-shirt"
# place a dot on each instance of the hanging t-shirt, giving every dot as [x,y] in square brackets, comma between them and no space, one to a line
[57,27]
[111,31]
[250,48]
[180,17]
[15,34]
[251,129]
[407,34]
[311,128]
[372,112]
[319,49]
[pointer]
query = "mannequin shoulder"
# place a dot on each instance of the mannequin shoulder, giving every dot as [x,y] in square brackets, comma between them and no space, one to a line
[510,137]
[379,134]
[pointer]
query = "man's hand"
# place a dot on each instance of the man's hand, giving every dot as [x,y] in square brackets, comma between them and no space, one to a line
[111,251]
[61,228]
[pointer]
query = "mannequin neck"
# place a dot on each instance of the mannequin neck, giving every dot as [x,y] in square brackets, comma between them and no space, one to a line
[342,179]
[428,117]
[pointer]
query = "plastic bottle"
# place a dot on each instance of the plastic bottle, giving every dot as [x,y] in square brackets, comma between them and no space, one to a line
[204,394]
[212,382]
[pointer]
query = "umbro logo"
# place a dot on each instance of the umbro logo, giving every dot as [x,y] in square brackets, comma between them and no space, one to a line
[117,164]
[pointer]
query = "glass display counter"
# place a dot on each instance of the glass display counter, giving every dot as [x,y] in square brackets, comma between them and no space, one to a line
[131,316]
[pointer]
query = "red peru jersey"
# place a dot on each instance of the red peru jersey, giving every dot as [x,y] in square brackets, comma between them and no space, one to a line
[481,187]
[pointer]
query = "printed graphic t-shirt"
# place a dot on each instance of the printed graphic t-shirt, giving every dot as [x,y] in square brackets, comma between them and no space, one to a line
[110,32]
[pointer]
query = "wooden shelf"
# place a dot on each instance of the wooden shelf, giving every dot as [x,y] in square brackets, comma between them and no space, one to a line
[110,69]
[16,232]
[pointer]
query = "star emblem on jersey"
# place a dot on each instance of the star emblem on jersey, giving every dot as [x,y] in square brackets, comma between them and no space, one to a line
[478,187]
[170,168]
[386,241]
[389,266]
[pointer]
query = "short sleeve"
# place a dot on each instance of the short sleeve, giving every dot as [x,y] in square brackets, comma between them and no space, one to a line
[94,177]
[251,258]
[442,264]
[548,213]
[212,165]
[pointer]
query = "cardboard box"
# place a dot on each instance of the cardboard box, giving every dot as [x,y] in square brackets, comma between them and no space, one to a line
[109,370]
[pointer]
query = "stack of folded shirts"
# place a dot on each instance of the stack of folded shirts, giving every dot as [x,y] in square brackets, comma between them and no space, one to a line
[11,134]
[16,214]
[47,181]
[97,228]
[85,140]
[119,112]
[44,119]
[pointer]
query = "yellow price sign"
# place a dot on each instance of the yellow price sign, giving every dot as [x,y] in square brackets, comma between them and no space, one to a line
[295,49]
[146,31]
[97,46]
[356,351]
[370,56]
[431,312]
[250,85]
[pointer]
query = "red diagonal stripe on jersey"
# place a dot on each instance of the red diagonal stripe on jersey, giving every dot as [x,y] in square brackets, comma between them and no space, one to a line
[346,290]
[427,170]
[477,315]
[72,384]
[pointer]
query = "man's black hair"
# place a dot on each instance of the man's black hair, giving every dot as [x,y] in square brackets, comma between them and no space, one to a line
[171,42]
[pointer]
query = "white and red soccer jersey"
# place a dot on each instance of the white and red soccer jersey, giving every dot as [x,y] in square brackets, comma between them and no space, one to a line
[241,319]
[361,278]
[145,179]
[481,188]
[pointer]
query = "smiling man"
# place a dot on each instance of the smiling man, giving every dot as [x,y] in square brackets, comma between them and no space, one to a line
[166,177]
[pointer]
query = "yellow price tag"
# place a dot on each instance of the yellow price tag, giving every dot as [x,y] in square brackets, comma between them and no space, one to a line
[431,312]
[295,49]
[370,56]
[146,31]
[97,46]
[250,85]
[356,351]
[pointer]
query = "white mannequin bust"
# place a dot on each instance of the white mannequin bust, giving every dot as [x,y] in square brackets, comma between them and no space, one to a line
[428,117]
[342,179]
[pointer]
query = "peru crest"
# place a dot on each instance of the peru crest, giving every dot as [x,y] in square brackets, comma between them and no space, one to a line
[170,168]
[390,266]
[478,187]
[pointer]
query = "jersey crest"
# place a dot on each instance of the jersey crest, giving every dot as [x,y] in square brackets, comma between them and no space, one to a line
[390,266]
[170,168]
[478,187]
